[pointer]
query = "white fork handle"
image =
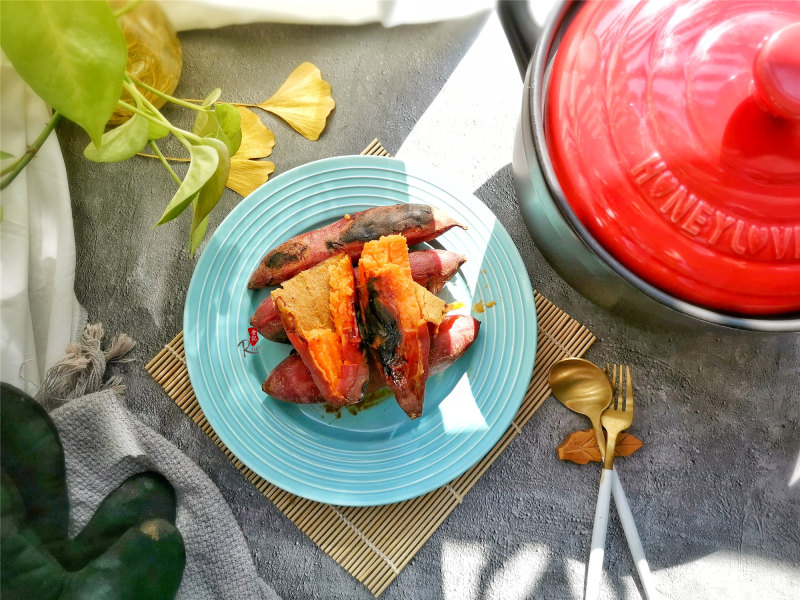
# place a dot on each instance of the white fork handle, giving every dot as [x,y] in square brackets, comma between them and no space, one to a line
[632,535]
[595,568]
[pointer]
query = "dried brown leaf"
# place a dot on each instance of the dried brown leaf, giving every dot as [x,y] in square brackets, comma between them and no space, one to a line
[257,140]
[304,101]
[581,446]
[247,175]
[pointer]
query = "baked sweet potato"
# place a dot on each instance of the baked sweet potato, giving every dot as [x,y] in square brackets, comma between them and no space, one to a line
[416,222]
[317,310]
[393,324]
[291,380]
[430,268]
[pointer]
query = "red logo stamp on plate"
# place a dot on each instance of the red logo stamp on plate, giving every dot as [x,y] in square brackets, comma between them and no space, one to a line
[249,346]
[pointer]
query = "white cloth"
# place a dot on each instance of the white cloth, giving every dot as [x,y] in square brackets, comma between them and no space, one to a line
[39,313]
[204,14]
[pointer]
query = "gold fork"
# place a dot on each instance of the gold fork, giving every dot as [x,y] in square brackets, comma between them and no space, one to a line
[623,508]
[619,414]
[617,417]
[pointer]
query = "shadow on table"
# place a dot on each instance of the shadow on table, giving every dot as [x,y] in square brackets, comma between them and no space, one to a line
[714,490]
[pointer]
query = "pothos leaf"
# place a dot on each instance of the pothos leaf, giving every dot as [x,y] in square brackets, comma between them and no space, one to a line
[79,60]
[120,143]
[223,123]
[203,167]
[197,235]
[211,98]
[4,155]
[156,131]
[211,191]
[231,122]
[581,446]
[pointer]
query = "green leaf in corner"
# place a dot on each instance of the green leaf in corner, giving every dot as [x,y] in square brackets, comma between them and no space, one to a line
[211,192]
[4,155]
[79,59]
[224,123]
[203,167]
[121,143]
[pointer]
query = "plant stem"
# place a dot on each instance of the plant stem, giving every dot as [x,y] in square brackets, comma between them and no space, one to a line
[172,158]
[164,161]
[143,103]
[127,8]
[14,169]
[245,104]
[167,97]
[183,136]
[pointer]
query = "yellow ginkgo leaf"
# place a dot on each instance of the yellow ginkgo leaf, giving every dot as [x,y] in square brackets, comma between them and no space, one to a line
[257,140]
[247,175]
[304,101]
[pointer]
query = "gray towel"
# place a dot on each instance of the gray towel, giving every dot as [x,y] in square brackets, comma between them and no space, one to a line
[104,444]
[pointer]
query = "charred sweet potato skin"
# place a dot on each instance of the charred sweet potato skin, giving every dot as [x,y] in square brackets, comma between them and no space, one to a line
[291,381]
[416,222]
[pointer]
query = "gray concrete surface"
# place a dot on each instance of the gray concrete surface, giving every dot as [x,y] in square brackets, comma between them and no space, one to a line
[716,488]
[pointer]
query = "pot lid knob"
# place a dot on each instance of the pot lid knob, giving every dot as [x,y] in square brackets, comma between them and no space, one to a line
[776,73]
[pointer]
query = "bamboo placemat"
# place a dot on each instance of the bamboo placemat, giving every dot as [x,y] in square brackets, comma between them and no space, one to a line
[374,543]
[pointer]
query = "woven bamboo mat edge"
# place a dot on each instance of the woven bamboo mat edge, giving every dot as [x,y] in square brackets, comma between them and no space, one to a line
[375,543]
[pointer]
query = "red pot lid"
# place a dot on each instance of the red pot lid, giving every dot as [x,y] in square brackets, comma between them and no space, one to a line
[674,131]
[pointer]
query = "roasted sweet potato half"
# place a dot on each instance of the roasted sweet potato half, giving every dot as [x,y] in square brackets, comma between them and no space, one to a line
[393,324]
[318,313]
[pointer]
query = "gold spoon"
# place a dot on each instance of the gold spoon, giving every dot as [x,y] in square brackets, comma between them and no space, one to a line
[583,387]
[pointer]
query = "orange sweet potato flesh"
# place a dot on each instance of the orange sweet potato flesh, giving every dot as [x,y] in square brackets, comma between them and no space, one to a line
[416,222]
[395,329]
[317,310]
[291,380]
[431,269]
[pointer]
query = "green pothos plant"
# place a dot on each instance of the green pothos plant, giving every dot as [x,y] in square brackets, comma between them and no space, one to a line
[74,56]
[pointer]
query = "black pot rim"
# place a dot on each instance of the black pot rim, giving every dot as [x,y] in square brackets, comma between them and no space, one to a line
[535,81]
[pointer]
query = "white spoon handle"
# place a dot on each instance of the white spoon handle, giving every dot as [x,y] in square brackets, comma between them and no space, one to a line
[632,535]
[597,552]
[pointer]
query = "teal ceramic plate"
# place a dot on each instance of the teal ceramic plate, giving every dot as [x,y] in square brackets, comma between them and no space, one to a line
[377,455]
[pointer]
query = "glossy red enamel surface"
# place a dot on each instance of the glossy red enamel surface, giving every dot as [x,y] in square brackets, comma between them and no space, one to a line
[673,131]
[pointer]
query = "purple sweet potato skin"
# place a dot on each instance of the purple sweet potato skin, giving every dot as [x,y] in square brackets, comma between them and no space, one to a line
[291,380]
[431,269]
[455,335]
[416,222]
[267,320]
